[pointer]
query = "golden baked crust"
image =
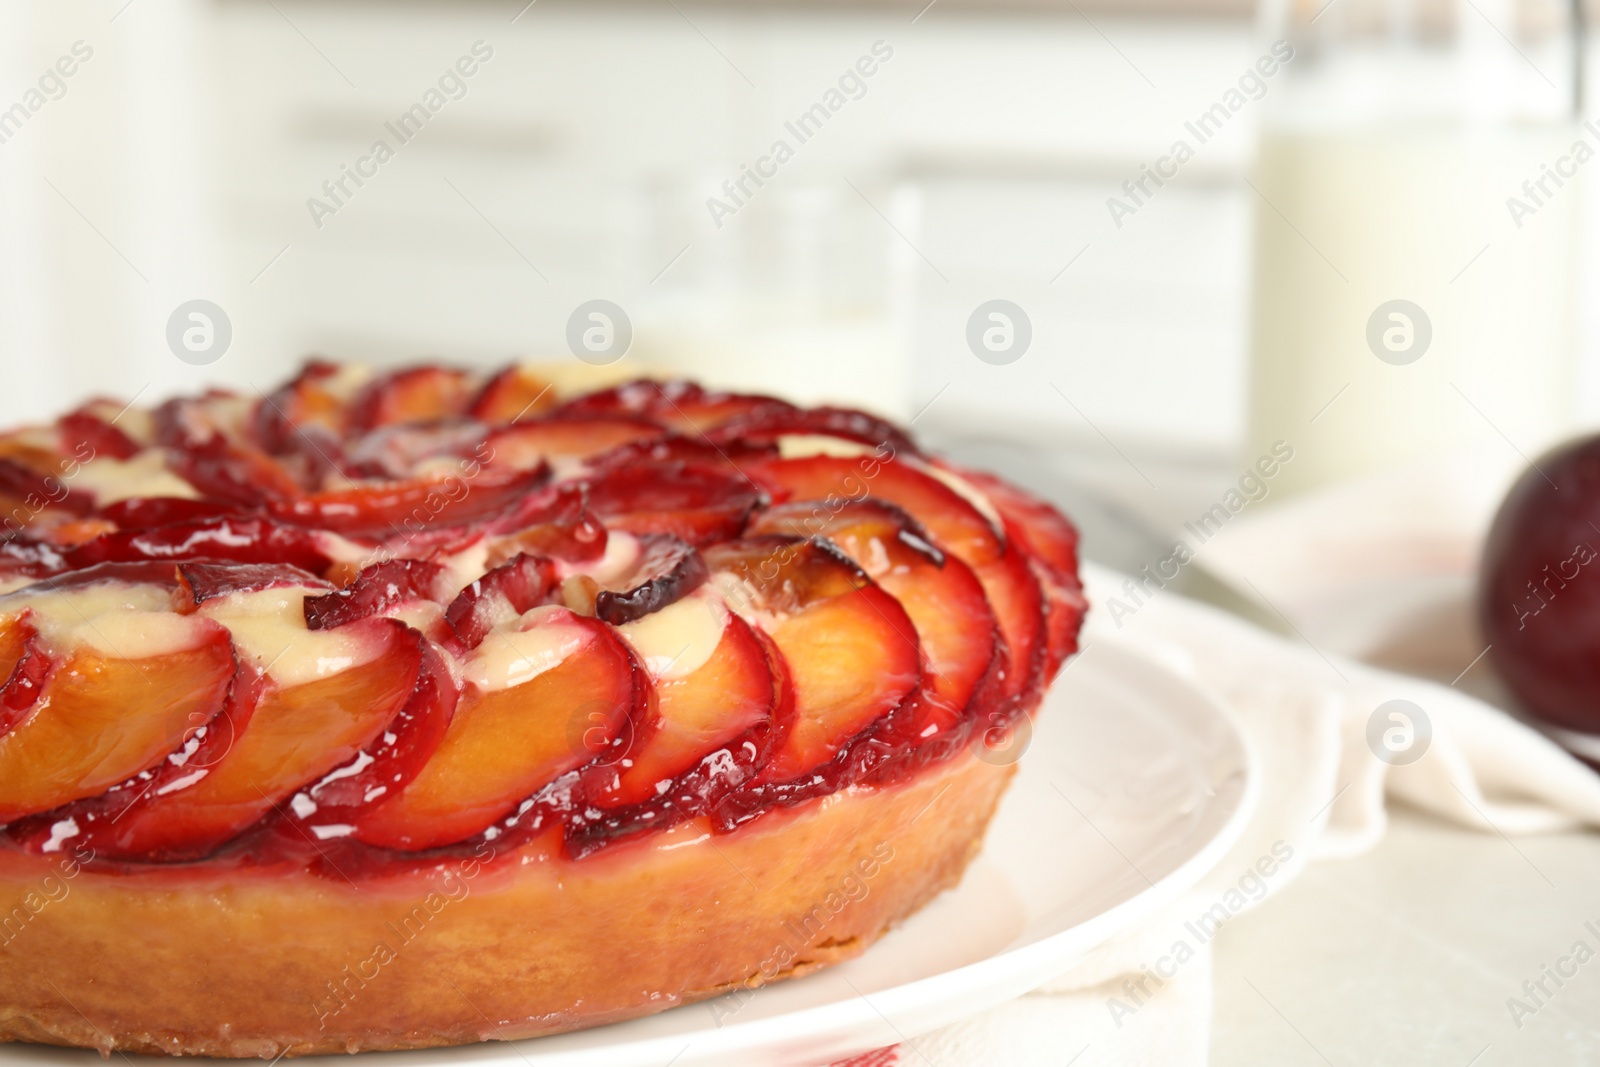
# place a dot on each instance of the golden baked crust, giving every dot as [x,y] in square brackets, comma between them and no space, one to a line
[204,961]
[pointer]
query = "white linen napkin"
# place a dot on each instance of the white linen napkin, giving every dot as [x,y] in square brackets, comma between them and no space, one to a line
[1309,708]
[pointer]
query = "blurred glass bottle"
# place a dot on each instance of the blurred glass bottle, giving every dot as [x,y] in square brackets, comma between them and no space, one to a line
[1417,195]
[800,295]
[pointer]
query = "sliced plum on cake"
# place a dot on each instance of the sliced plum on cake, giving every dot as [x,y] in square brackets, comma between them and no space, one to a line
[413,590]
[330,806]
[407,452]
[682,406]
[948,508]
[306,422]
[500,598]
[239,538]
[24,665]
[557,523]
[1051,543]
[524,445]
[698,503]
[790,428]
[720,701]
[850,650]
[108,680]
[511,395]
[962,650]
[385,508]
[543,694]
[301,703]
[664,571]
[411,395]
[209,447]
[92,431]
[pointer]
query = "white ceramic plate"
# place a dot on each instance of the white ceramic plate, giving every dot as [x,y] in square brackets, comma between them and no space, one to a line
[1134,785]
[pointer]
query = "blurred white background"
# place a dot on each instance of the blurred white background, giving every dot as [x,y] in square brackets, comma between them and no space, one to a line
[179,160]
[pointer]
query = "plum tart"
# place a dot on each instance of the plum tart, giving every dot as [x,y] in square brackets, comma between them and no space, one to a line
[422,707]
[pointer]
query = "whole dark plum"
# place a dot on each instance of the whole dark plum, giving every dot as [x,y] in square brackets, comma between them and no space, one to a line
[1539,591]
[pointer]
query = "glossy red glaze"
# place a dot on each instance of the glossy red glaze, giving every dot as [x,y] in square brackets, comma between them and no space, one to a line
[697,504]
[206,579]
[683,406]
[245,540]
[376,590]
[25,666]
[290,737]
[518,585]
[84,429]
[390,762]
[668,570]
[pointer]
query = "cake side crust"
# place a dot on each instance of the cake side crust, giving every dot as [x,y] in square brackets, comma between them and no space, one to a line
[247,964]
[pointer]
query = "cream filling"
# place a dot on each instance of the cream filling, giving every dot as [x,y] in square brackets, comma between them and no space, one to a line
[510,657]
[567,468]
[619,560]
[269,628]
[678,640]
[421,615]
[137,423]
[344,383]
[343,550]
[438,469]
[44,439]
[116,620]
[11,585]
[571,378]
[230,413]
[467,565]
[146,474]
[744,599]
[803,445]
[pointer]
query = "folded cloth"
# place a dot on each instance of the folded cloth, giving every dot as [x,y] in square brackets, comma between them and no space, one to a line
[1382,570]
[1333,745]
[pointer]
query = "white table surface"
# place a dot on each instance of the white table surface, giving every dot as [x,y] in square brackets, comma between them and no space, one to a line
[1407,955]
